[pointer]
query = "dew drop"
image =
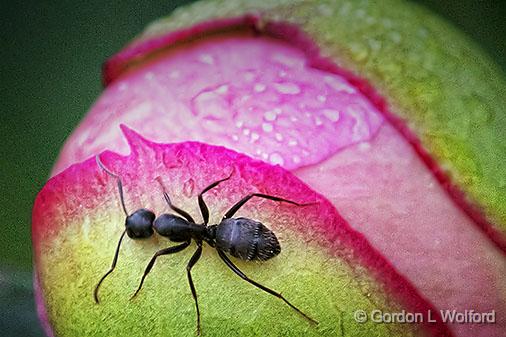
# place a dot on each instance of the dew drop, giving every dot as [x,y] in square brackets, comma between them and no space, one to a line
[338,84]
[318,121]
[239,124]
[267,127]
[254,137]
[276,159]
[292,142]
[259,87]
[270,115]
[245,132]
[235,137]
[332,115]
[325,10]
[287,88]
[279,137]
[395,37]
[222,89]
[285,60]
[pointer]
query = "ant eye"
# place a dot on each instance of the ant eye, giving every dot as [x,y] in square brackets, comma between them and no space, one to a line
[140,224]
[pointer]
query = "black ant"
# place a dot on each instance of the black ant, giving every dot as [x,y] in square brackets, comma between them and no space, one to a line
[242,238]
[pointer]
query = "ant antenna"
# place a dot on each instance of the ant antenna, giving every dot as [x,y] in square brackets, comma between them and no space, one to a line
[120,184]
[115,259]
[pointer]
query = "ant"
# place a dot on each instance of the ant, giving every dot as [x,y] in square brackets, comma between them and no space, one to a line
[242,238]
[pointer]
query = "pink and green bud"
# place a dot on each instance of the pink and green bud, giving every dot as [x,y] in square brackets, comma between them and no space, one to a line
[348,105]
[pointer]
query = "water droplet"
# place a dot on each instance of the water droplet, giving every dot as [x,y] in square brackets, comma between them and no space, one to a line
[318,121]
[359,51]
[292,142]
[210,104]
[222,89]
[277,111]
[265,156]
[395,37]
[332,115]
[279,137]
[235,137]
[296,159]
[239,124]
[338,84]
[267,127]
[360,130]
[276,159]
[287,88]
[270,115]
[245,132]
[259,87]
[285,60]
[374,44]
[254,137]
[325,10]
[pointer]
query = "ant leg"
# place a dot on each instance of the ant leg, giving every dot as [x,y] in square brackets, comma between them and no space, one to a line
[173,207]
[193,261]
[113,265]
[177,209]
[236,270]
[203,207]
[166,251]
[241,202]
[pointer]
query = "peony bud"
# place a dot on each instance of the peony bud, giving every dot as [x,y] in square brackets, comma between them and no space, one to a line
[376,113]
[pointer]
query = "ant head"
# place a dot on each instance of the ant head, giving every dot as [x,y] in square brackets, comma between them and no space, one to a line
[139,224]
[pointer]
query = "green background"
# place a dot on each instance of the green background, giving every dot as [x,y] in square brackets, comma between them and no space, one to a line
[50,69]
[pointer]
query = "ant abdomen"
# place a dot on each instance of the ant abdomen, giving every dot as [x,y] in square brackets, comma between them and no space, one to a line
[247,239]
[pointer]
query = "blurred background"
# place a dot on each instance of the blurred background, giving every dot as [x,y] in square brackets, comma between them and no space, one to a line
[50,75]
